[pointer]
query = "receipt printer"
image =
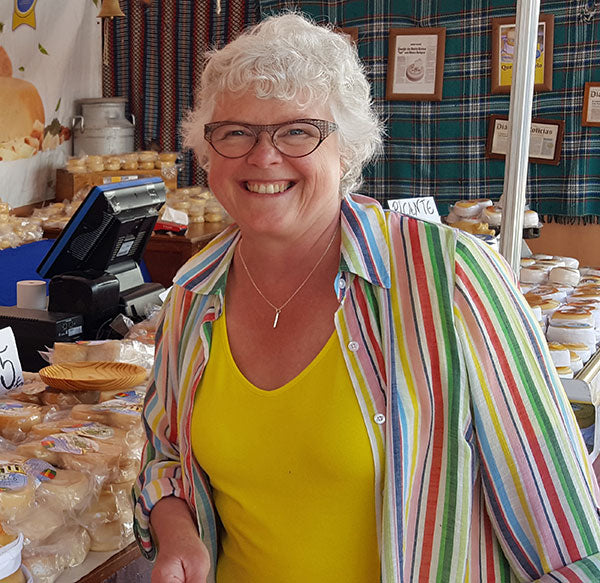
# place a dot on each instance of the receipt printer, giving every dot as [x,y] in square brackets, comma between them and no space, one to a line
[38,330]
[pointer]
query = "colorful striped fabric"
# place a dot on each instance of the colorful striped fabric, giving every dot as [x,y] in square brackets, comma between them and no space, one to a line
[486,477]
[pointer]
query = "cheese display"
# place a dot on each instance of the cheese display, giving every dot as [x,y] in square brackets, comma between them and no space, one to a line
[66,471]
[569,303]
[482,217]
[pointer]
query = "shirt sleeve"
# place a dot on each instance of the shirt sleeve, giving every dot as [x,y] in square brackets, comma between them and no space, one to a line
[539,487]
[160,474]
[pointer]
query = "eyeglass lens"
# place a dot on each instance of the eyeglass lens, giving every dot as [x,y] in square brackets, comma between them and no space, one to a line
[294,139]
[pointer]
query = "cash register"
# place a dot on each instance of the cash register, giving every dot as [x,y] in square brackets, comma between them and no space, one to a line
[94,264]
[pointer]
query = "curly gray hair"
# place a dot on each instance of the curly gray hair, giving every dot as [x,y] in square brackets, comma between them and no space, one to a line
[288,57]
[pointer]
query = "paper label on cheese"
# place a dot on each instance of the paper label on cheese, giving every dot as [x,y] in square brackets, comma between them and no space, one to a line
[69,443]
[43,471]
[134,397]
[12,477]
[12,408]
[119,406]
[91,429]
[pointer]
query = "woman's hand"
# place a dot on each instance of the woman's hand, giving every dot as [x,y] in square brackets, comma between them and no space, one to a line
[185,561]
[182,556]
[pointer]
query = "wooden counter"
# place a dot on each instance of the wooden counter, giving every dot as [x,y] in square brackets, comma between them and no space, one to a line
[165,254]
[126,565]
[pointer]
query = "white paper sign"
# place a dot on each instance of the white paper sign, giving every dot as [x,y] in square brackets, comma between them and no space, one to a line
[422,208]
[11,375]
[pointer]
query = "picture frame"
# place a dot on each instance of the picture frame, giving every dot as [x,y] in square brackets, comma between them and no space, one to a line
[503,36]
[351,31]
[415,67]
[545,144]
[590,116]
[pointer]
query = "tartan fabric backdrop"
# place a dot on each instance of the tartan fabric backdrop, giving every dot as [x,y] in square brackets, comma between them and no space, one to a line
[154,57]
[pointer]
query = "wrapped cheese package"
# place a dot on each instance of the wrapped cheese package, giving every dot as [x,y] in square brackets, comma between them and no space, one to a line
[17,418]
[17,490]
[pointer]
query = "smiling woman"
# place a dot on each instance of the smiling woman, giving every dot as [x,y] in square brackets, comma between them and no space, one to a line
[321,350]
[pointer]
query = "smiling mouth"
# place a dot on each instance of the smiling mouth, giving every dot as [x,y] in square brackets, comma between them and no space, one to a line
[268,188]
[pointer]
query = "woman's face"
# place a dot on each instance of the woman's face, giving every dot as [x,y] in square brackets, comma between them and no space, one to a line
[302,193]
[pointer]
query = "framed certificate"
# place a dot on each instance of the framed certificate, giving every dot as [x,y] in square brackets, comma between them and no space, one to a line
[415,68]
[545,143]
[503,48]
[591,105]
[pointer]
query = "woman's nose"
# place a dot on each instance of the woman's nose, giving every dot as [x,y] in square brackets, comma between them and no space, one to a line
[264,152]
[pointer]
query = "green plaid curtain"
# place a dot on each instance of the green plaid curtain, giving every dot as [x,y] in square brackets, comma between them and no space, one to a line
[438,148]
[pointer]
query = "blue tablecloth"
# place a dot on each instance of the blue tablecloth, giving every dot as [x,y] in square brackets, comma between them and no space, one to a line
[18,264]
[21,263]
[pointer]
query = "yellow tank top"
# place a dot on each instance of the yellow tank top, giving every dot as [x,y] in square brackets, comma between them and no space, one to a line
[291,471]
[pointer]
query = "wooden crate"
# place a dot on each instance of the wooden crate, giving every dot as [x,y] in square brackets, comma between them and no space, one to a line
[68,183]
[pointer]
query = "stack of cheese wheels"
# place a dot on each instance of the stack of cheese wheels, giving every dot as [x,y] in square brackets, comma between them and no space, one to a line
[109,519]
[569,298]
[65,548]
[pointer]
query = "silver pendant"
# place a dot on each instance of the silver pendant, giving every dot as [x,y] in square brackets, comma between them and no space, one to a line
[276,318]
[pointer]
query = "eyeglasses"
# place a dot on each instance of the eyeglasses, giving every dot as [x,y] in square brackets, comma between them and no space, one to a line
[295,139]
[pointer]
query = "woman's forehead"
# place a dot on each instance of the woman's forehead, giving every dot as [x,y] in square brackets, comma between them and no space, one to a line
[247,107]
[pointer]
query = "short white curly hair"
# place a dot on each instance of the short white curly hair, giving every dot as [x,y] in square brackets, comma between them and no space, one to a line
[290,58]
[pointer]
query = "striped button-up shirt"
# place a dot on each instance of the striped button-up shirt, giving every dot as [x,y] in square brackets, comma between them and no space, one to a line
[485,475]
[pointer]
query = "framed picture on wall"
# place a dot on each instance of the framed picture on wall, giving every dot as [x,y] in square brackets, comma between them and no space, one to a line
[591,105]
[415,68]
[503,47]
[545,142]
[351,31]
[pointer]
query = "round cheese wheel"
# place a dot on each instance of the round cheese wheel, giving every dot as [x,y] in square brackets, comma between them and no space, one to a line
[572,332]
[39,523]
[110,536]
[17,418]
[533,274]
[467,208]
[17,491]
[20,107]
[67,490]
[560,355]
[564,275]
[571,314]
[114,412]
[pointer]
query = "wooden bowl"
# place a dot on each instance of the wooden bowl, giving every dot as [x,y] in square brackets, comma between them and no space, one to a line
[93,376]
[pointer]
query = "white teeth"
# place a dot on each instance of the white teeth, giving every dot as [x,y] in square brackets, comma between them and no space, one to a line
[271,188]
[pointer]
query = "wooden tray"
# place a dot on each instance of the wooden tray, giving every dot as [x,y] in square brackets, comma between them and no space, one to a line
[92,376]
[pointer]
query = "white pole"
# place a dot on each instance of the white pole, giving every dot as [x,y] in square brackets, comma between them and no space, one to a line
[521,101]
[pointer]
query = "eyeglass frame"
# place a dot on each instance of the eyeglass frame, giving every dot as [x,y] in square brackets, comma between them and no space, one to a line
[325,127]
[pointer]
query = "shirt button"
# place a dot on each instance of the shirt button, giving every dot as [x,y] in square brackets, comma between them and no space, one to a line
[353,346]
[379,418]
[342,283]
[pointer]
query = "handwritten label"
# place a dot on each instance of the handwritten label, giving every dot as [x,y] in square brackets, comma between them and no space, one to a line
[11,375]
[421,208]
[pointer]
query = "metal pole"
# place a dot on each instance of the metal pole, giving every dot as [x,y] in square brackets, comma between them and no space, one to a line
[519,116]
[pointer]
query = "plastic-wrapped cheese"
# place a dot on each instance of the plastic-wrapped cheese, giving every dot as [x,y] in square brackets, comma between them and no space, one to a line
[17,490]
[65,490]
[113,503]
[115,412]
[84,454]
[65,548]
[39,523]
[110,536]
[66,400]
[16,418]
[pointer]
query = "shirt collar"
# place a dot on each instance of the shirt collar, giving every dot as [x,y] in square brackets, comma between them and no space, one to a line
[364,250]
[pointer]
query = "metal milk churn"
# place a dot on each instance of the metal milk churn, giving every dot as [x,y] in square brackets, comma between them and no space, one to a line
[101,127]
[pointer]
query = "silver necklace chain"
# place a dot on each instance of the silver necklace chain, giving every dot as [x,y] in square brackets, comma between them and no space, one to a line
[278,309]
